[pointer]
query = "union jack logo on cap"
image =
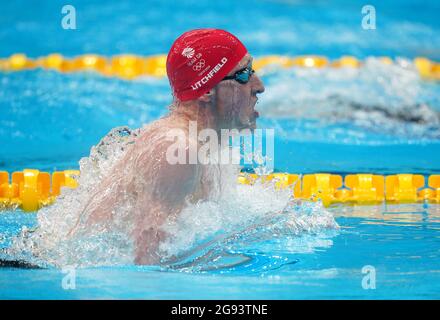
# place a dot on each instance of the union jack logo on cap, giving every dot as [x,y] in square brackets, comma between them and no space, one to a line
[188,52]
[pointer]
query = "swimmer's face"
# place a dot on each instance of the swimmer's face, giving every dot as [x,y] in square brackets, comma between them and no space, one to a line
[236,101]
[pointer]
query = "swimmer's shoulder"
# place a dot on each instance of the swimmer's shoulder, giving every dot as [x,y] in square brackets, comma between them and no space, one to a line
[163,131]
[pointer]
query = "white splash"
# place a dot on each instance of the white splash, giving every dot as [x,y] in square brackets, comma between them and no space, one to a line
[255,213]
[232,212]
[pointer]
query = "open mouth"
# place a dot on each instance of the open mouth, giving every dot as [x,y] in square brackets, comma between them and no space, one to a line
[256,114]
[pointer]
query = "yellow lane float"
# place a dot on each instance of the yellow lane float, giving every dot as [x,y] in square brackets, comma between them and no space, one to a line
[427,69]
[52,61]
[346,61]
[31,189]
[128,66]
[361,189]
[273,61]
[17,62]
[310,61]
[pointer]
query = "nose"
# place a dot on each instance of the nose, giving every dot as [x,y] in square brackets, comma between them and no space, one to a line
[257,84]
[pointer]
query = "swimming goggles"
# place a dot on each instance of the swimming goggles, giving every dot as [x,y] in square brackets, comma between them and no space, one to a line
[242,76]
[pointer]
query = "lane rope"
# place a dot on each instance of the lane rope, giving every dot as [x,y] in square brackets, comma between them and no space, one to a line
[129,67]
[32,189]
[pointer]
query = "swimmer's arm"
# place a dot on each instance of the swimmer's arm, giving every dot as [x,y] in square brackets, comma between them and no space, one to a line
[170,186]
[100,205]
[173,186]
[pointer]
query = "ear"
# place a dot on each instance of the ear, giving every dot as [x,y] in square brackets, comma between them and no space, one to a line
[207,97]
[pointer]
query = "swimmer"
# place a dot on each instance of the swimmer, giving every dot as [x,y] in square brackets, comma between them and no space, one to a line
[213,84]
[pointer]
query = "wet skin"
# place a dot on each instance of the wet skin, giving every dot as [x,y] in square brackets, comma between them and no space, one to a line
[156,189]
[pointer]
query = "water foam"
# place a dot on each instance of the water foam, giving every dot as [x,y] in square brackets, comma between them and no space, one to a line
[242,210]
[237,216]
[385,100]
[52,243]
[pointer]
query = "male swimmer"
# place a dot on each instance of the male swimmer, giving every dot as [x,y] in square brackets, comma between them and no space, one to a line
[213,84]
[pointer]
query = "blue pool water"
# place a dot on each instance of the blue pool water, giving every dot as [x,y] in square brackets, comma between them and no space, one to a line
[381,119]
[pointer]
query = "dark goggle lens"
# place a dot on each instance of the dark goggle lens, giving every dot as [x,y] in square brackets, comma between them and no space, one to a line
[243,77]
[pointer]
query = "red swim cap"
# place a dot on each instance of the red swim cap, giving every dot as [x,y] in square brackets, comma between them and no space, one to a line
[199,59]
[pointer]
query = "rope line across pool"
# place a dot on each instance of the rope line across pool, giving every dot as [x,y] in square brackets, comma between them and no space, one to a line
[131,66]
[32,189]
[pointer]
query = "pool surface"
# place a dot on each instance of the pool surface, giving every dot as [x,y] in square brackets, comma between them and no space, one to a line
[379,118]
